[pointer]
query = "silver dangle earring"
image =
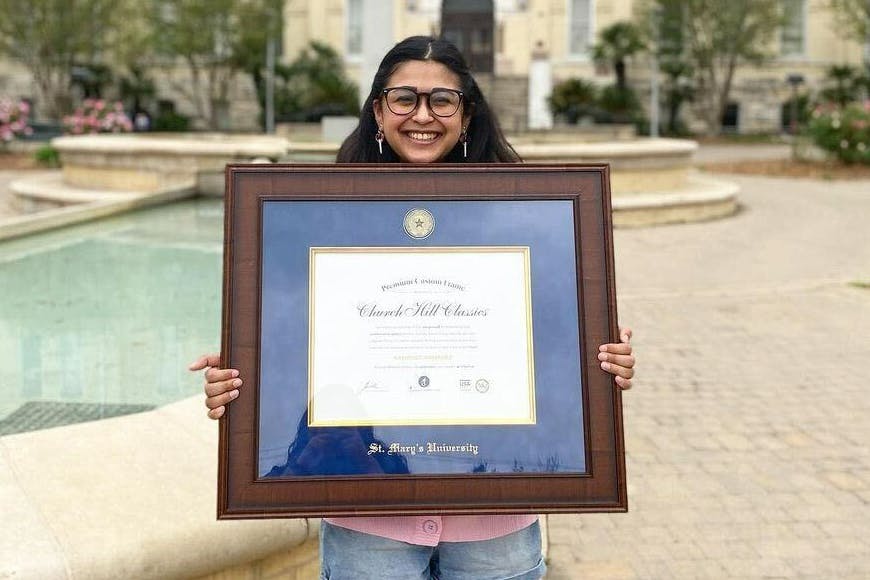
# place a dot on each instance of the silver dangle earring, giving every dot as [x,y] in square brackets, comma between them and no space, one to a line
[379,137]
[464,140]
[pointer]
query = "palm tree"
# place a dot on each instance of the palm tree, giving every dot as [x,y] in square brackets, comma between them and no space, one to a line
[616,43]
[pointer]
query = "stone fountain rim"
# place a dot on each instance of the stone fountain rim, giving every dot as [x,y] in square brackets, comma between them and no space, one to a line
[608,149]
[200,144]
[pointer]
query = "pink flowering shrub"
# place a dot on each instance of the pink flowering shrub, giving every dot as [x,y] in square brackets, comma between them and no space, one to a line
[842,131]
[98,116]
[14,120]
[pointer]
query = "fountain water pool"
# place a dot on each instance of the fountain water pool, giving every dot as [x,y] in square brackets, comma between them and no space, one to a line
[106,315]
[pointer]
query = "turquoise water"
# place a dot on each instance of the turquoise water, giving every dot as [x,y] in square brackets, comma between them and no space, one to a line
[111,312]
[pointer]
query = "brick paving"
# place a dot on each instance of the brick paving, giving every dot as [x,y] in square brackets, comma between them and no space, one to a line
[748,431]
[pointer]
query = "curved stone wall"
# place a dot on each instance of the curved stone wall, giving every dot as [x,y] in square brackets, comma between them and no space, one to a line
[652,180]
[155,161]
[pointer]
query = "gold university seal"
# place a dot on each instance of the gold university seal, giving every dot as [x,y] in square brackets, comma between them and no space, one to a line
[419,223]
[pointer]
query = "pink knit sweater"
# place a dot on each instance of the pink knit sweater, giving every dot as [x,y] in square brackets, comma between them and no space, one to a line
[429,530]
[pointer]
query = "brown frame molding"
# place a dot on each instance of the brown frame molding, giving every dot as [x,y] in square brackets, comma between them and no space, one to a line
[242,495]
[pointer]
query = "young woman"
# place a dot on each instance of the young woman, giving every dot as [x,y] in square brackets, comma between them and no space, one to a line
[425,107]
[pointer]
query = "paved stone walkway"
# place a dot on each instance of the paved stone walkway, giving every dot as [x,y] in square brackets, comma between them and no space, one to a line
[748,431]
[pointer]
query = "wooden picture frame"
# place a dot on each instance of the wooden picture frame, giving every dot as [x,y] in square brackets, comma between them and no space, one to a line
[568,458]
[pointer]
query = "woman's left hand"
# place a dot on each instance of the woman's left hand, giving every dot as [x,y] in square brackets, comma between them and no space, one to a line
[616,359]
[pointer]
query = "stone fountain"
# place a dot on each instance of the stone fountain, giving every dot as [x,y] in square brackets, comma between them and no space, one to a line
[652,180]
[111,173]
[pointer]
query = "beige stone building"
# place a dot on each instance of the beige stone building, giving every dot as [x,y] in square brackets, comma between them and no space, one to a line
[564,31]
[511,39]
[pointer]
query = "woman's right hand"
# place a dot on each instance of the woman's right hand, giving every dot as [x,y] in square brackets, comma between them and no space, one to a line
[221,385]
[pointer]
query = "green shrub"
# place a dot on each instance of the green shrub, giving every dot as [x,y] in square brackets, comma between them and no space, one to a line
[314,85]
[617,105]
[800,104]
[844,131]
[573,99]
[47,156]
[170,121]
[843,84]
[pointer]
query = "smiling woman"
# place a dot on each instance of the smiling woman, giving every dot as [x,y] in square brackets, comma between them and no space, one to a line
[425,107]
[422,130]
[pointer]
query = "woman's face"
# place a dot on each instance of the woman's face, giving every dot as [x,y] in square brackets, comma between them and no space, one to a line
[421,136]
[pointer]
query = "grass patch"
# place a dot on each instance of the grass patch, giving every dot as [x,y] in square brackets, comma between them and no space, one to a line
[47,156]
[863,284]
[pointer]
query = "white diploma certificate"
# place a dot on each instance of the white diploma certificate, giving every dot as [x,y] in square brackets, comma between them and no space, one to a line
[420,336]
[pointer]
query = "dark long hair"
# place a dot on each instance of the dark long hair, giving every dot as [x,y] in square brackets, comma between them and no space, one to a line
[486,142]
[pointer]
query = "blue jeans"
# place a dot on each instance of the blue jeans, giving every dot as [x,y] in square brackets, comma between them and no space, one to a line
[351,555]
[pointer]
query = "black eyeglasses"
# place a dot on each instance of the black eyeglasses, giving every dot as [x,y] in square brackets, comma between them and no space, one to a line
[404,100]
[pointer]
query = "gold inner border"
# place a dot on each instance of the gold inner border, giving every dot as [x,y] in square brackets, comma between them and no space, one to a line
[530,356]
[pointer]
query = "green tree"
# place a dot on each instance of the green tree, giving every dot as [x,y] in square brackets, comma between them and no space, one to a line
[50,37]
[843,85]
[617,43]
[718,37]
[216,40]
[853,16]
[723,35]
[662,24]
[136,89]
[199,32]
[260,22]
[314,85]
[133,56]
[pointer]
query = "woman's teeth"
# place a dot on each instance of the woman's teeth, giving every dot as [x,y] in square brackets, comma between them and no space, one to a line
[423,136]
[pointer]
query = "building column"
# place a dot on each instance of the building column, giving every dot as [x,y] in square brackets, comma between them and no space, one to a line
[377,40]
[540,88]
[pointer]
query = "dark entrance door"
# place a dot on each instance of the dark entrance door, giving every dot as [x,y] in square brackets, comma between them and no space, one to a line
[470,24]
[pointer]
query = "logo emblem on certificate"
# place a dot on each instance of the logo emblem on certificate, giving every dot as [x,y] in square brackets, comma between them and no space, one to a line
[419,223]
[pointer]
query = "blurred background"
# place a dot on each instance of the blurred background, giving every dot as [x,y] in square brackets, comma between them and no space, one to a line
[669,67]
